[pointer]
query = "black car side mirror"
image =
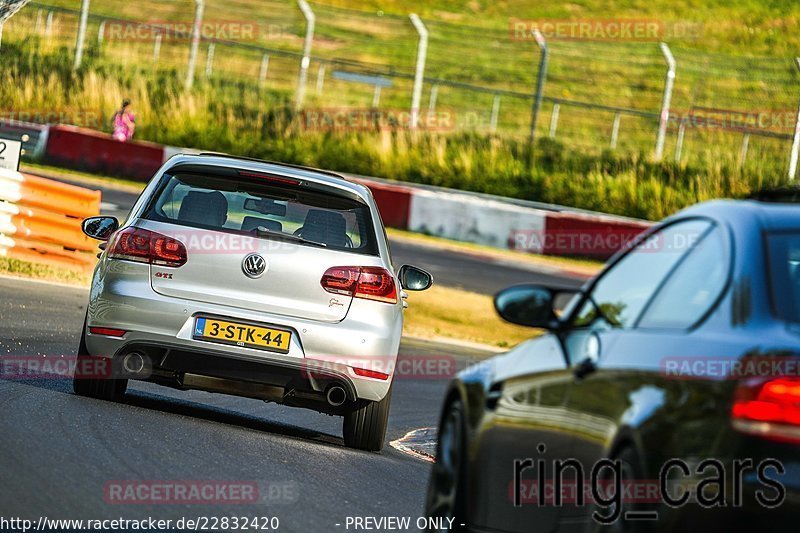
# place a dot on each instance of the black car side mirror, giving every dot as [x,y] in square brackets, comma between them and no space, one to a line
[100,228]
[414,279]
[528,305]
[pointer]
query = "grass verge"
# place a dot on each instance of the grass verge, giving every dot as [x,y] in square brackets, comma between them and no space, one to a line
[446,313]
[26,269]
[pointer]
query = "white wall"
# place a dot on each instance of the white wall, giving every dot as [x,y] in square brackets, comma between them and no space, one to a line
[465,218]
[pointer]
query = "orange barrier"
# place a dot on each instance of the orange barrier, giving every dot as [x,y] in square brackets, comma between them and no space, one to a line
[40,221]
[63,198]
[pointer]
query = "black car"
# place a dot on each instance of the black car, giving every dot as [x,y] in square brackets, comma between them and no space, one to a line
[665,396]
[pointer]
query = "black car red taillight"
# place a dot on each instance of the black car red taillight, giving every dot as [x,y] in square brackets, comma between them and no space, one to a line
[768,407]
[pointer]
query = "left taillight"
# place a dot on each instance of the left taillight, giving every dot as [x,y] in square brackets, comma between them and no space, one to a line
[768,407]
[109,332]
[144,246]
[370,283]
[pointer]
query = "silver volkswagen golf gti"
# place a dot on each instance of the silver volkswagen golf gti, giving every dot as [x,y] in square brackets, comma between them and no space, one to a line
[250,278]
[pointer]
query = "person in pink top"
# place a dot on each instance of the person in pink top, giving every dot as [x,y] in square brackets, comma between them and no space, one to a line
[124,123]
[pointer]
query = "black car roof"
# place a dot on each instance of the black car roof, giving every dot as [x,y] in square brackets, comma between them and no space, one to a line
[769,215]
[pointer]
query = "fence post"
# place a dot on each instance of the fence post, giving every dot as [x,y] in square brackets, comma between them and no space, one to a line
[434,96]
[210,60]
[157,48]
[376,96]
[38,27]
[540,80]
[554,120]
[679,142]
[196,27]
[419,74]
[320,78]
[48,25]
[81,34]
[615,130]
[101,32]
[495,113]
[665,101]
[795,139]
[306,61]
[743,151]
[262,74]
[1,33]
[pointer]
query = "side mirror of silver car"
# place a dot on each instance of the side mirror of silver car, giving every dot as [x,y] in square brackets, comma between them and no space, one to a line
[100,228]
[414,279]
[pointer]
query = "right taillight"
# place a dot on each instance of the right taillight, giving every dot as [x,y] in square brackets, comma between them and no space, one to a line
[144,246]
[768,407]
[371,283]
[367,373]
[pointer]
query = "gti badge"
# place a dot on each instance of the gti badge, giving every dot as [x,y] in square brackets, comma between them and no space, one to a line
[254,265]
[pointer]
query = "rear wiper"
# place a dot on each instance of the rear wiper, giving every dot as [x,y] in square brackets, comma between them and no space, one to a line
[261,231]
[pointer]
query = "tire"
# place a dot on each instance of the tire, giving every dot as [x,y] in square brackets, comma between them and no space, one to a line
[364,427]
[103,389]
[447,485]
[82,387]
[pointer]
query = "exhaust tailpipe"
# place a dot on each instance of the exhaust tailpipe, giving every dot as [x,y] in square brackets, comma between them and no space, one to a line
[336,396]
[133,363]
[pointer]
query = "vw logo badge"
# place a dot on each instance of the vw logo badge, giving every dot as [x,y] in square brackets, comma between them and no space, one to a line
[254,265]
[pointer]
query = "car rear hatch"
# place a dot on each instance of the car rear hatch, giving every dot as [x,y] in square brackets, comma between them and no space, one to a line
[230,224]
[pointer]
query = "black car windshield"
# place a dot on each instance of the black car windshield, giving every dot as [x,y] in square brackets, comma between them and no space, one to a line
[265,209]
[784,254]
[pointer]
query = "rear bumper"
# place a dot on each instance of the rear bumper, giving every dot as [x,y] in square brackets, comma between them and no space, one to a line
[288,382]
[121,297]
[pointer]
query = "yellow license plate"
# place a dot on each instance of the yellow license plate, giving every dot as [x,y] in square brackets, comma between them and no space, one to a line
[249,336]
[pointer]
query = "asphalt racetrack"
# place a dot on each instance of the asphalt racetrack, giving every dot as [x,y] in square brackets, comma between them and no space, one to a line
[61,451]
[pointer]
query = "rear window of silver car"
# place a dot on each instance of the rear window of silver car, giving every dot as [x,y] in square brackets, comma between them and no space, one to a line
[267,210]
